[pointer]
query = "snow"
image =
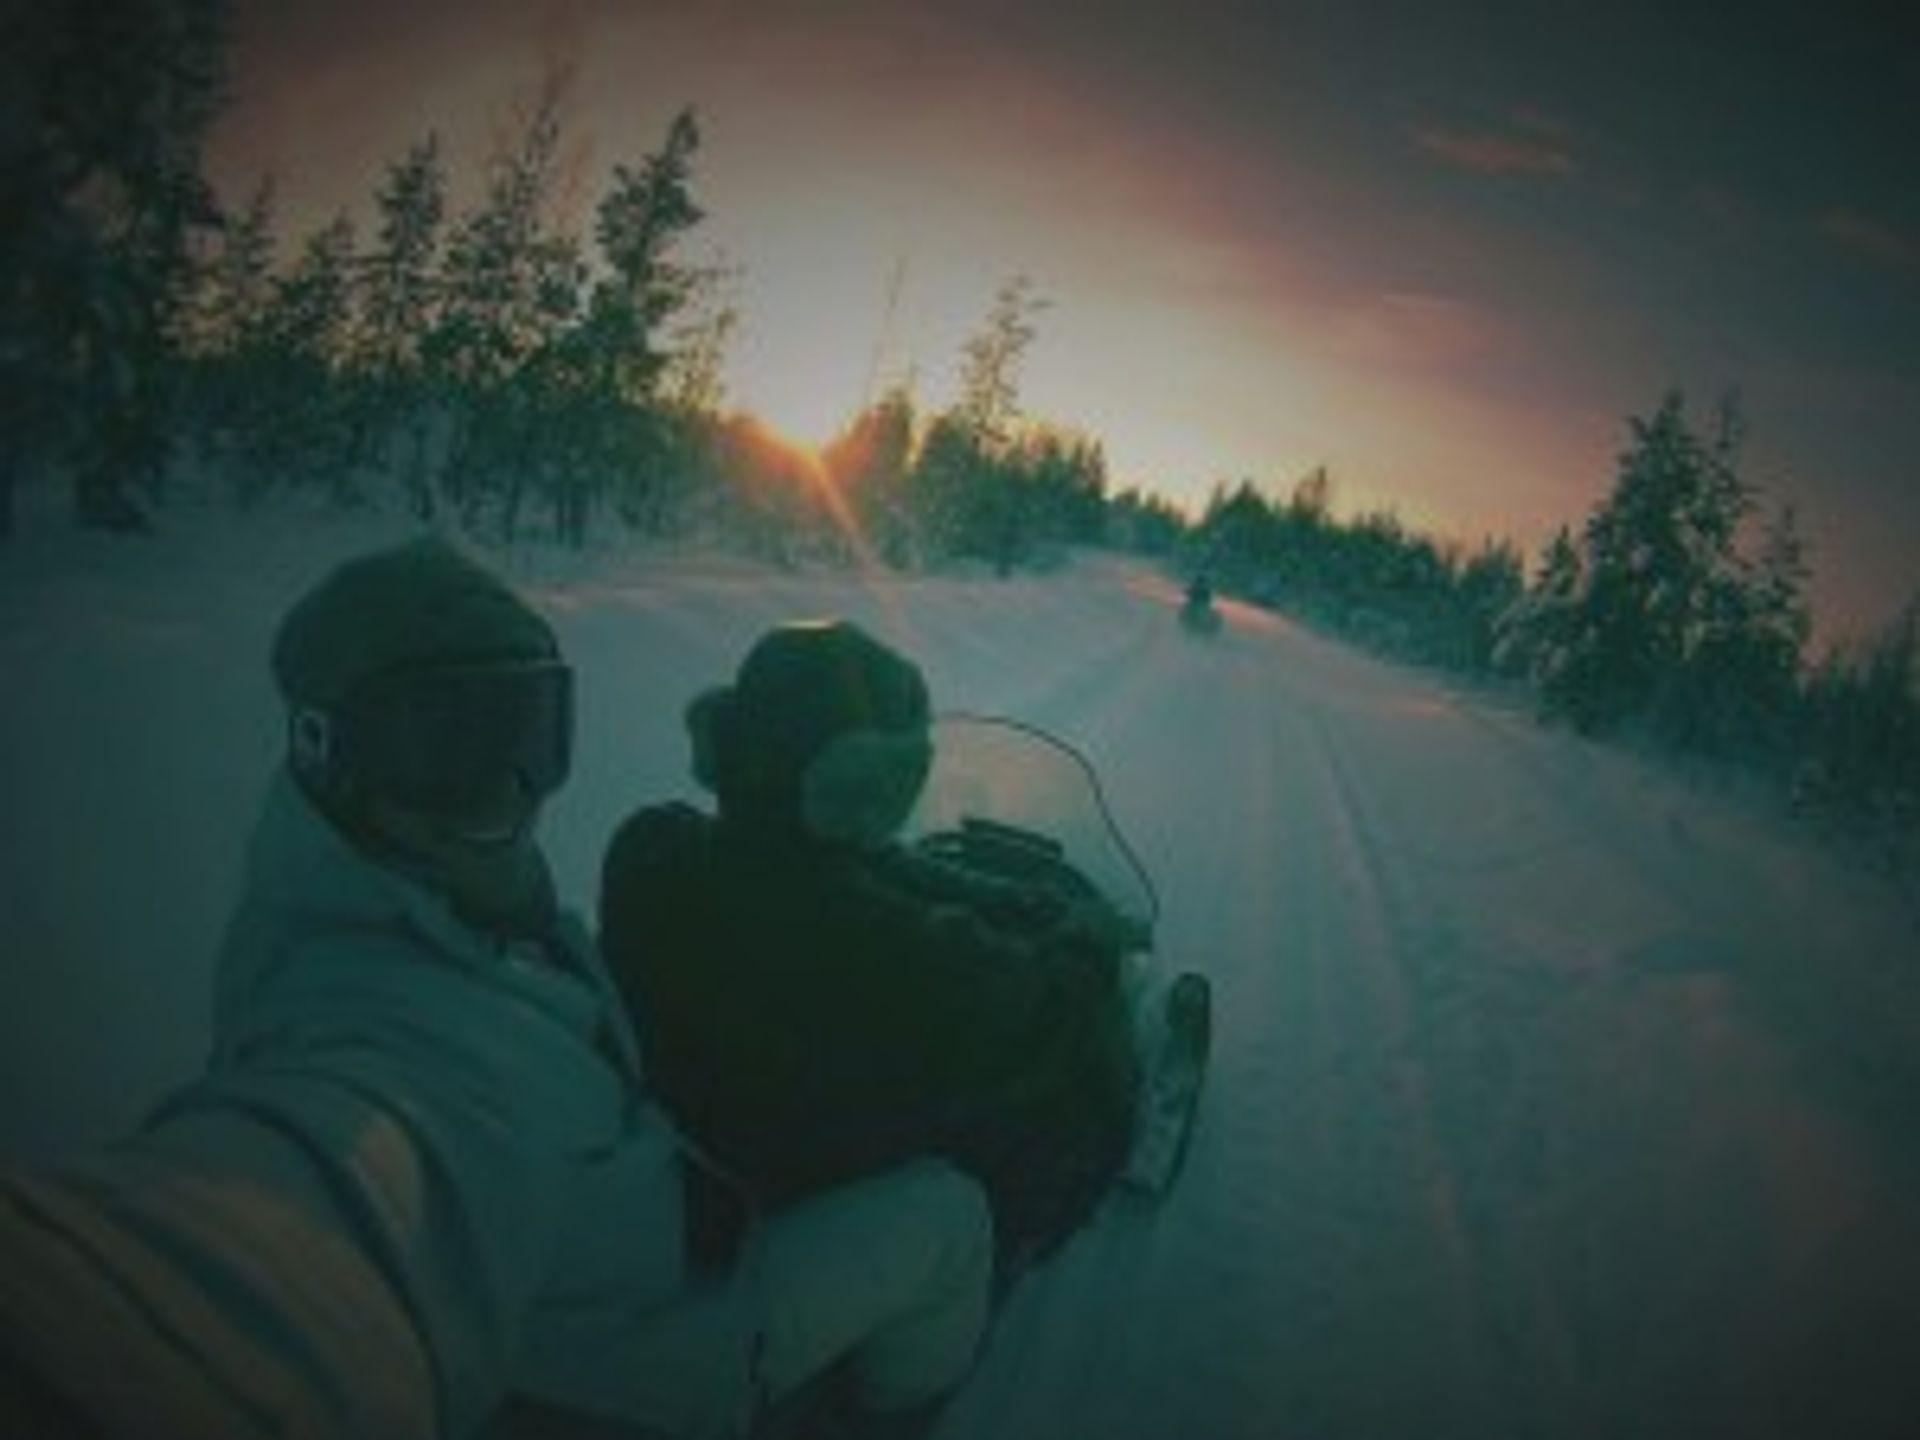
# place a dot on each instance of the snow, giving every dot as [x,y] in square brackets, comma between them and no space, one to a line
[1550,1095]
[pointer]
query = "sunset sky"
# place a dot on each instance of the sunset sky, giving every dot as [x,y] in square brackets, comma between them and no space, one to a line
[1443,249]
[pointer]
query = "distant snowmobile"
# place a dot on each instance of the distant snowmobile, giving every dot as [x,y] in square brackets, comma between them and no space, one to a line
[1009,801]
[1197,614]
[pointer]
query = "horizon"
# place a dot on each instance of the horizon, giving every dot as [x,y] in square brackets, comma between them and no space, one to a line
[1447,265]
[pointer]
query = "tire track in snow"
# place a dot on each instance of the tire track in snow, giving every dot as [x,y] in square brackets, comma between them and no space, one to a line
[1386,966]
[1487,1100]
[1108,1323]
[1331,1309]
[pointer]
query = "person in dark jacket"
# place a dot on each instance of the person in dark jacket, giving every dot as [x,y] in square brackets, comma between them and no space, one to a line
[817,1002]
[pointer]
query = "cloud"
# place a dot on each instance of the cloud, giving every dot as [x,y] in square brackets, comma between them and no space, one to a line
[1870,238]
[1407,329]
[1541,122]
[1491,153]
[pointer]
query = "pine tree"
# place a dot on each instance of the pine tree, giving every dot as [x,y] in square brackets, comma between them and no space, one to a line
[108,103]
[399,295]
[970,495]
[293,417]
[310,316]
[1064,476]
[221,333]
[1239,534]
[397,278]
[869,464]
[1736,692]
[989,404]
[643,215]
[1486,587]
[507,279]
[510,292]
[636,394]
[237,284]
[1859,746]
[944,467]
[1535,635]
[1143,523]
[1779,601]
[691,380]
[1658,552]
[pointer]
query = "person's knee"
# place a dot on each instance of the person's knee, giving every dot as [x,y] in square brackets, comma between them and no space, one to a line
[957,1209]
[909,1366]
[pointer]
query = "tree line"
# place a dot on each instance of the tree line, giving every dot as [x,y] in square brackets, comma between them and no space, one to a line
[1679,611]
[491,368]
[1676,615]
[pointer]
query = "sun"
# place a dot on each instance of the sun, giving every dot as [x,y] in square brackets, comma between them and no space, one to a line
[804,413]
[806,388]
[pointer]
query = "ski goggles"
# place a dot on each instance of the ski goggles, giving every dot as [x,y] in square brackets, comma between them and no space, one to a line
[439,738]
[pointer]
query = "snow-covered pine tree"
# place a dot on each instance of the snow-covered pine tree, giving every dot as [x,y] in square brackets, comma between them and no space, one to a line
[869,463]
[510,288]
[109,104]
[1859,738]
[310,316]
[1533,637]
[220,332]
[295,426]
[236,281]
[974,501]
[989,407]
[1065,475]
[620,358]
[1737,688]
[399,285]
[643,215]
[1486,586]
[692,383]
[1658,552]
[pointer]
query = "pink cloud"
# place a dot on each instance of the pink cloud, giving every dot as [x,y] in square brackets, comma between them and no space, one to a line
[1486,153]
[1419,331]
[1540,122]
[1870,238]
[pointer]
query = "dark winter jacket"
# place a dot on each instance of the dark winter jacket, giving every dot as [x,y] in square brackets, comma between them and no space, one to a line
[811,1011]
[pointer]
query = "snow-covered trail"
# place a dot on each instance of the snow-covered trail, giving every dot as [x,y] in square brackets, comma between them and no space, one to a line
[1549,1098]
[1497,1140]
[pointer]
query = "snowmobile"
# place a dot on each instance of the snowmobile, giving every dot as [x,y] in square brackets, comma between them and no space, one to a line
[1009,801]
[1197,613]
[1005,801]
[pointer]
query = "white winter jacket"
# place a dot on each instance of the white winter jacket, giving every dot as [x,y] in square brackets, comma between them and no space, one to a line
[469,1116]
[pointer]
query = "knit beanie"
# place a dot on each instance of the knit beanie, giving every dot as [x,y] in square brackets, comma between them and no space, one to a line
[421,603]
[800,687]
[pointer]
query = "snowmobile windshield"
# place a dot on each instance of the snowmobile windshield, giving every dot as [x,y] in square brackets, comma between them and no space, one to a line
[1027,805]
[438,737]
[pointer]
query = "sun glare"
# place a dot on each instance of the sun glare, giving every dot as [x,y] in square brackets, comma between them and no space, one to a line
[800,374]
[808,466]
[803,409]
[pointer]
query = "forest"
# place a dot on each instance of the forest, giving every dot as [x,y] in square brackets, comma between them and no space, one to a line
[487,369]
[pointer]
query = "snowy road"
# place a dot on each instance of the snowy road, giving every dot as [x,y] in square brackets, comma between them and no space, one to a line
[1549,1097]
[1498,1142]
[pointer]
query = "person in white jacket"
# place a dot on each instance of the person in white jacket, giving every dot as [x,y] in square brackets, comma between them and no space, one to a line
[422,1190]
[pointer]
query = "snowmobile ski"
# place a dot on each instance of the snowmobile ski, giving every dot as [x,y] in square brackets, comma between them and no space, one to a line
[1170,1089]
